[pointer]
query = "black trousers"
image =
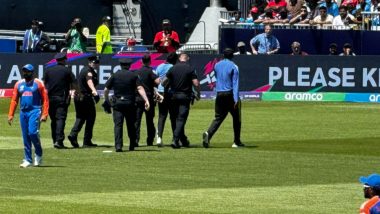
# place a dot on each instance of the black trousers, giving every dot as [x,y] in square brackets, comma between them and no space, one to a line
[127,113]
[149,116]
[163,111]
[58,114]
[224,104]
[179,108]
[85,113]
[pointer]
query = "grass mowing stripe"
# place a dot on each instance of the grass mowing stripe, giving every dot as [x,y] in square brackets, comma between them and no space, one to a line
[288,199]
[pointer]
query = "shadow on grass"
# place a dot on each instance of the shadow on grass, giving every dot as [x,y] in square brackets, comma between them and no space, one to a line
[49,166]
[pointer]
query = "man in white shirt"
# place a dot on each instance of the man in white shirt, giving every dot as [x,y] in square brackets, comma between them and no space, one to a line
[344,19]
[323,18]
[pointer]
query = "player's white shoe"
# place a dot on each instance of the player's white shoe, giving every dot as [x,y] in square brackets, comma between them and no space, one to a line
[159,142]
[25,164]
[37,160]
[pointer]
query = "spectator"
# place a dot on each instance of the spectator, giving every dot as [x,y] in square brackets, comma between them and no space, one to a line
[265,17]
[260,5]
[302,18]
[323,18]
[237,17]
[376,20]
[34,39]
[103,37]
[344,19]
[167,40]
[333,49]
[294,7]
[241,49]
[296,49]
[332,7]
[312,8]
[253,15]
[282,17]
[266,43]
[372,193]
[362,6]
[347,50]
[275,6]
[351,4]
[374,5]
[75,38]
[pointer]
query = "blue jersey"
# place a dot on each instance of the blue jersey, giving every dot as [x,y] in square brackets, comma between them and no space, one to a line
[32,96]
[227,77]
[161,73]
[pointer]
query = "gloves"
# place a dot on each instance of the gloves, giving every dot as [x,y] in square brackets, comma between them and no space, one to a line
[107,107]
[96,98]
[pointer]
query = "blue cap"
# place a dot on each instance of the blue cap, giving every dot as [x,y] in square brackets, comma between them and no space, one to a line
[372,180]
[28,67]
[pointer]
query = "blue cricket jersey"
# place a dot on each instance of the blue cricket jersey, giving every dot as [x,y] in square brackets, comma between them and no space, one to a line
[227,77]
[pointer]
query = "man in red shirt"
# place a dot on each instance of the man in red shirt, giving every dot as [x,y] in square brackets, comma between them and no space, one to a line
[167,40]
[275,6]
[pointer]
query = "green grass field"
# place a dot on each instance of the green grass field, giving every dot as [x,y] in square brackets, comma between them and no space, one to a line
[300,158]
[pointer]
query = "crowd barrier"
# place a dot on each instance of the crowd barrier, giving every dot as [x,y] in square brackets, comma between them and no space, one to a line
[277,77]
[313,41]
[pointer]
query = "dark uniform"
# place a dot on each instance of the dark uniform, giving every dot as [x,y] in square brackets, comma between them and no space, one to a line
[180,78]
[147,78]
[124,84]
[58,80]
[85,107]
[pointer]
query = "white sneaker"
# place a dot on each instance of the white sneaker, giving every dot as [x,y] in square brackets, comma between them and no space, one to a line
[159,142]
[25,164]
[37,160]
[238,145]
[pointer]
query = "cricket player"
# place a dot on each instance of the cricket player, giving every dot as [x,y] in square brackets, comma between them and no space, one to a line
[34,107]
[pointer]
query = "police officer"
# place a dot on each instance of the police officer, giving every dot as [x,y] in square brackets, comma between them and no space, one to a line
[85,99]
[58,82]
[124,83]
[148,80]
[227,98]
[182,77]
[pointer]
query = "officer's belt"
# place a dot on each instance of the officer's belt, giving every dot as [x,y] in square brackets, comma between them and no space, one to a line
[121,97]
[224,93]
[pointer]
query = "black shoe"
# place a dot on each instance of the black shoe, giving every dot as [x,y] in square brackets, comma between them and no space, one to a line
[89,145]
[149,144]
[175,145]
[131,148]
[119,150]
[73,141]
[206,140]
[185,143]
[58,145]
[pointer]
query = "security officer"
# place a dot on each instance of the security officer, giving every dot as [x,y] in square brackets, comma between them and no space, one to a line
[182,77]
[227,98]
[124,83]
[148,80]
[58,82]
[85,99]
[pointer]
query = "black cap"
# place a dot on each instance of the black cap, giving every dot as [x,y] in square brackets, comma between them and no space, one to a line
[125,61]
[60,56]
[333,45]
[94,58]
[106,18]
[347,45]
